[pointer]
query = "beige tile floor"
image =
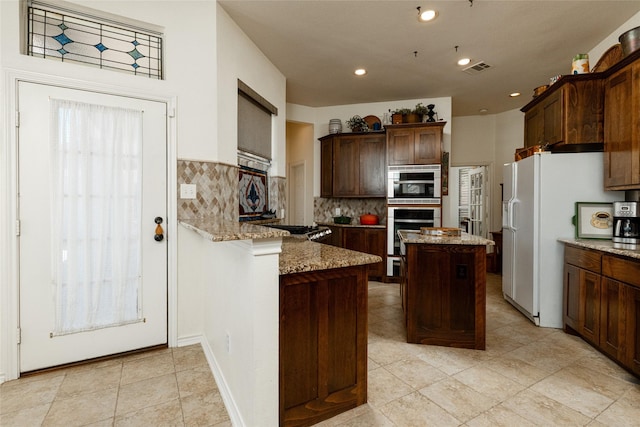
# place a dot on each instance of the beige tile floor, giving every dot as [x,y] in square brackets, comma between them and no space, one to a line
[527,376]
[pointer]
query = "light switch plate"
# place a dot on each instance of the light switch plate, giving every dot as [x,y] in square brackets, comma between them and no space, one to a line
[187,191]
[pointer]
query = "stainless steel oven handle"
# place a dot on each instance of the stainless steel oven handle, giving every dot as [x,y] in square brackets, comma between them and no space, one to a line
[412,221]
[415,181]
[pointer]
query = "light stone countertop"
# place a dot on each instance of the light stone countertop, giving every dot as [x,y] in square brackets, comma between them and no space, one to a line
[298,254]
[222,231]
[301,255]
[602,245]
[412,237]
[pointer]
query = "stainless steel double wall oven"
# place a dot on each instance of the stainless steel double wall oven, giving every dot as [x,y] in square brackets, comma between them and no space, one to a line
[414,200]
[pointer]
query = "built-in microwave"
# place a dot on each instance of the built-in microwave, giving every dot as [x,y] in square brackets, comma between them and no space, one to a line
[414,184]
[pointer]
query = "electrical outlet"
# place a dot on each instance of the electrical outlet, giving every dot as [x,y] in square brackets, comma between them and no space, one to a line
[338,211]
[188,191]
[228,342]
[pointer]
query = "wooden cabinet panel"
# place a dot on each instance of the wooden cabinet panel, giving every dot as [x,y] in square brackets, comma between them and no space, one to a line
[323,344]
[445,295]
[369,240]
[373,166]
[584,258]
[632,333]
[345,167]
[571,298]
[428,146]
[621,269]
[568,114]
[582,302]
[612,321]
[326,167]
[353,165]
[335,238]
[410,144]
[621,129]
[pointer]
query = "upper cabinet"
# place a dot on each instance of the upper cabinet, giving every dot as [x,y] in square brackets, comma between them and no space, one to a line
[568,116]
[622,128]
[415,144]
[353,165]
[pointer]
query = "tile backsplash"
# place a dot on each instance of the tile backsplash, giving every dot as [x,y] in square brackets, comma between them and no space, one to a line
[324,208]
[217,190]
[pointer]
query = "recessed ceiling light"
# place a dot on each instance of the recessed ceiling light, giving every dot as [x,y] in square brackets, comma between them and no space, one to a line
[464,61]
[514,94]
[483,110]
[360,72]
[427,15]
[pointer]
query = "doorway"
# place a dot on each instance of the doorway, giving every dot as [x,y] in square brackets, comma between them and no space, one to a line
[71,244]
[469,189]
[300,161]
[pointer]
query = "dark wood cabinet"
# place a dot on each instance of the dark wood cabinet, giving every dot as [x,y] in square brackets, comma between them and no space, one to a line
[569,116]
[419,143]
[326,167]
[323,344]
[582,292]
[353,165]
[602,302]
[369,240]
[622,129]
[444,292]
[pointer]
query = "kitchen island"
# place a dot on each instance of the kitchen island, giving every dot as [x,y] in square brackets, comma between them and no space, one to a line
[443,289]
[294,356]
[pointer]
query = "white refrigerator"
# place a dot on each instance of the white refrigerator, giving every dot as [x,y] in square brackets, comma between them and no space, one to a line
[539,199]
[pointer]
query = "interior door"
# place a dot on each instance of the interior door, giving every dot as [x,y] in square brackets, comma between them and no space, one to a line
[42,345]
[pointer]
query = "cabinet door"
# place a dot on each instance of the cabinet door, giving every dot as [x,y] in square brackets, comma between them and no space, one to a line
[553,109]
[582,302]
[533,127]
[400,146]
[335,238]
[621,157]
[612,317]
[326,167]
[355,239]
[571,310]
[372,166]
[346,168]
[427,146]
[632,324]
[376,245]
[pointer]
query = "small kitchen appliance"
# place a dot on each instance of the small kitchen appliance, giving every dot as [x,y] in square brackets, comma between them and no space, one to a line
[626,225]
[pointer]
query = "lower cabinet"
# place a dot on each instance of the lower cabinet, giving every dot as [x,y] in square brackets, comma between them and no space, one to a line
[323,344]
[363,239]
[602,302]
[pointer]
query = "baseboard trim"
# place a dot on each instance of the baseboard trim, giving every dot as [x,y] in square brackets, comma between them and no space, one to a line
[227,398]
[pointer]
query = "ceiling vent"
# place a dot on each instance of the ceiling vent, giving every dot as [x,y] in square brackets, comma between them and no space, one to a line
[476,68]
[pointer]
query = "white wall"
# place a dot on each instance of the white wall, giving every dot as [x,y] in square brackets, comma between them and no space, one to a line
[612,39]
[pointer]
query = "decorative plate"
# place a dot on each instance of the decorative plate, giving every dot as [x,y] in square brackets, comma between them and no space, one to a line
[253,192]
[611,57]
[371,121]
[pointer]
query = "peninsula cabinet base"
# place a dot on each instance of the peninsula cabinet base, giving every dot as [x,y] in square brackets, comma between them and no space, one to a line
[444,295]
[323,344]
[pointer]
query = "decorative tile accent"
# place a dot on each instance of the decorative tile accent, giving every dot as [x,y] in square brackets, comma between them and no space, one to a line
[217,190]
[324,209]
[277,194]
[253,193]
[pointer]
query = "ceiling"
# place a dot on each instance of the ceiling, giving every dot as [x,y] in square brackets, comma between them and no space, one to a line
[317,44]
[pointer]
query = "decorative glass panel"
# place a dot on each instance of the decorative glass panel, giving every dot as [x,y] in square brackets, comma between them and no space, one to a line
[64,37]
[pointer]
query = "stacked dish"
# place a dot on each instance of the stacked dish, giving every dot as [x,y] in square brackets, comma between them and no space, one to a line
[335,126]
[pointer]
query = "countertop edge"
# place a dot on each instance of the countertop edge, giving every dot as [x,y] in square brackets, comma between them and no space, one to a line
[232,231]
[601,245]
[415,238]
[302,256]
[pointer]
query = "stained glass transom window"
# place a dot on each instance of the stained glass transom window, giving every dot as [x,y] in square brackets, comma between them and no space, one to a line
[65,37]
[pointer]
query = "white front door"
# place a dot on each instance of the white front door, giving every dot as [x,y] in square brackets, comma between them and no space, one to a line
[73,253]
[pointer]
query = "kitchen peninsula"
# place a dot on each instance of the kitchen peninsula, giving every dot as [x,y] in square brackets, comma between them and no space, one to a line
[443,289]
[292,357]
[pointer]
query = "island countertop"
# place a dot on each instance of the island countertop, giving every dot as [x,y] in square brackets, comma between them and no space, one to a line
[411,237]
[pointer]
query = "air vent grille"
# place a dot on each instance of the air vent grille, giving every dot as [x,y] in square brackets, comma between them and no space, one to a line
[476,68]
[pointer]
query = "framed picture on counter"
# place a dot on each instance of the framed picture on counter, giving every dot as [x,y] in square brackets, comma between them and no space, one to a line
[594,220]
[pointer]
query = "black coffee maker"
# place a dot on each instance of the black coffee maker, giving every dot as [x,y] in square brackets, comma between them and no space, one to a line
[626,225]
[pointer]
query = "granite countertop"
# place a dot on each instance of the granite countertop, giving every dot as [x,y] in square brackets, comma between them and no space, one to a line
[301,255]
[298,254]
[602,245]
[352,225]
[412,237]
[222,231]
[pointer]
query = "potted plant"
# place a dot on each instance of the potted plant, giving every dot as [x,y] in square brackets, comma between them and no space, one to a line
[357,124]
[420,110]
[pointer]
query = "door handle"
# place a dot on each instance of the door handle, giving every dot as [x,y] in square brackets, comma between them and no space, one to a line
[159,236]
